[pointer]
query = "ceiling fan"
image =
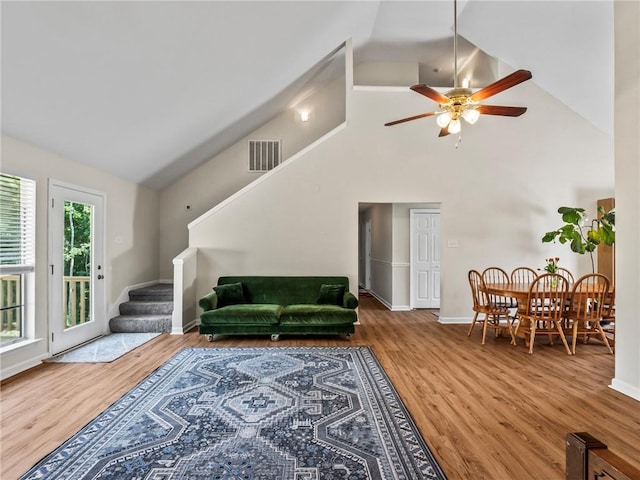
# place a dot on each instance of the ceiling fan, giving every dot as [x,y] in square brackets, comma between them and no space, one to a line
[461,102]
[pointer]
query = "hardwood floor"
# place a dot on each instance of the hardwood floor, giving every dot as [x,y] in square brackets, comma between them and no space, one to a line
[486,412]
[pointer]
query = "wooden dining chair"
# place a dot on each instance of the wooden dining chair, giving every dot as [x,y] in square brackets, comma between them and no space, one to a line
[545,310]
[483,304]
[584,314]
[498,275]
[608,321]
[523,275]
[566,274]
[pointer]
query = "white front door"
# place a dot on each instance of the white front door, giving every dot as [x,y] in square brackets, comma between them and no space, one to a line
[77,305]
[425,258]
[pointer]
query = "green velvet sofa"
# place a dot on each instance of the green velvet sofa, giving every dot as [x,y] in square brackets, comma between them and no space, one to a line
[253,305]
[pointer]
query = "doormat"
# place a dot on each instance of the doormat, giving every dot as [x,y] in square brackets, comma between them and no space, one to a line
[261,413]
[104,349]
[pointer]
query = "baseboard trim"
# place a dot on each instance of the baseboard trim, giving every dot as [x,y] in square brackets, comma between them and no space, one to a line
[625,388]
[393,308]
[401,308]
[185,328]
[23,366]
[380,299]
[454,320]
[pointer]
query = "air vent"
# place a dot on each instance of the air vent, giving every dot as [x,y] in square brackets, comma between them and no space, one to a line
[264,155]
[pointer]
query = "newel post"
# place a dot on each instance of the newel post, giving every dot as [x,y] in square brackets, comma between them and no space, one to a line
[577,451]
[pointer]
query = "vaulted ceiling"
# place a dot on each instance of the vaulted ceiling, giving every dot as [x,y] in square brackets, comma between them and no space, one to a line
[149,90]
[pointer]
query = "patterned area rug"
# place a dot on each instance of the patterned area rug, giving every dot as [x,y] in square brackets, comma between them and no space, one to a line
[105,349]
[298,413]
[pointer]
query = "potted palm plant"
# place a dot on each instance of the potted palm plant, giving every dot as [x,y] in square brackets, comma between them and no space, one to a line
[583,235]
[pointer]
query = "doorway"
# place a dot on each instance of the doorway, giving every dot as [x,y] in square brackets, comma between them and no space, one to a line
[77,300]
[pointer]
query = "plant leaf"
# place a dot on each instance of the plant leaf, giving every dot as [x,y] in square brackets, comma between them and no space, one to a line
[577,246]
[607,235]
[567,230]
[609,217]
[572,215]
[593,236]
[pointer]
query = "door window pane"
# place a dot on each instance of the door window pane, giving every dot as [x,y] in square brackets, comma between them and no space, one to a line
[78,222]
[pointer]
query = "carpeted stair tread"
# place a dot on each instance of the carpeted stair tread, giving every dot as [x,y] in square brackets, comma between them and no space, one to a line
[146,308]
[159,292]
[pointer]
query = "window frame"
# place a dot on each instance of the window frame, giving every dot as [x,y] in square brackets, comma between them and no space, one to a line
[26,271]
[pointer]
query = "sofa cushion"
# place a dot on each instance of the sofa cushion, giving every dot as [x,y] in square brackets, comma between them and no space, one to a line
[330,294]
[229,294]
[283,290]
[308,314]
[243,314]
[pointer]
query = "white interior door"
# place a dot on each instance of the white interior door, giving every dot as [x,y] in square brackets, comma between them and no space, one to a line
[425,258]
[77,304]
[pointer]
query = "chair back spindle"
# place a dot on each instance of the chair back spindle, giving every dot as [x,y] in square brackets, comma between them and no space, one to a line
[566,274]
[498,275]
[524,275]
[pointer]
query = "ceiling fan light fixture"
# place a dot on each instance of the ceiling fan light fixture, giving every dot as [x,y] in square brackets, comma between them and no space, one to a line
[454,126]
[461,101]
[471,115]
[443,119]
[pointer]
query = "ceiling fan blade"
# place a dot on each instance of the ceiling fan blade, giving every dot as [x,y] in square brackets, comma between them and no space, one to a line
[431,93]
[408,119]
[444,132]
[496,87]
[503,111]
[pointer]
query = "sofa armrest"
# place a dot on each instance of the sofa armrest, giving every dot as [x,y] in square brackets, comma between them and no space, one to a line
[209,302]
[349,300]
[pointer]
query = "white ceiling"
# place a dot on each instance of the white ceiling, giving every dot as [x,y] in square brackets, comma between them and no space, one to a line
[149,90]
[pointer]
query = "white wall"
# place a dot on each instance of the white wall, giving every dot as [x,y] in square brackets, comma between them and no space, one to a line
[627,164]
[225,174]
[131,231]
[499,191]
[386,74]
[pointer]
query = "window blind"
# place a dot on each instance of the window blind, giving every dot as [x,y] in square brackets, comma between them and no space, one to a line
[17,221]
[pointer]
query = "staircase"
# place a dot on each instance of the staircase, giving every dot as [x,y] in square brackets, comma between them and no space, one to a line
[148,310]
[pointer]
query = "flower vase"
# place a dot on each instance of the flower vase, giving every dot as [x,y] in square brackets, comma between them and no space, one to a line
[554,282]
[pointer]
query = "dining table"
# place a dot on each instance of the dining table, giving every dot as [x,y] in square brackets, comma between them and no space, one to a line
[520,292]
